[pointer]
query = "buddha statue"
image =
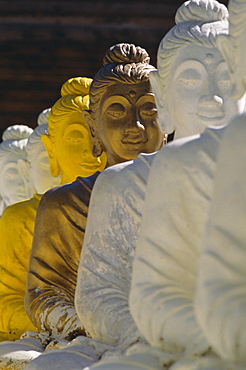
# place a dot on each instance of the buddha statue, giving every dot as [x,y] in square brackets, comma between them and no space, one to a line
[220,299]
[68,141]
[13,183]
[17,222]
[16,230]
[165,301]
[122,119]
[106,263]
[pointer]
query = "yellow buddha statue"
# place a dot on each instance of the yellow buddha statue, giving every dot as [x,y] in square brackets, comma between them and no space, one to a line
[17,222]
[68,141]
[16,230]
[123,122]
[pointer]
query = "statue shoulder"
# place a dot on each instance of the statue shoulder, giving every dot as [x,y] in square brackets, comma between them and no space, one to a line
[15,212]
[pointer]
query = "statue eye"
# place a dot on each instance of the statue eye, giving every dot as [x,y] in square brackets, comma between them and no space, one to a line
[74,139]
[148,109]
[75,136]
[116,114]
[149,113]
[11,174]
[189,82]
[44,163]
[116,110]
[223,79]
[190,77]
[225,83]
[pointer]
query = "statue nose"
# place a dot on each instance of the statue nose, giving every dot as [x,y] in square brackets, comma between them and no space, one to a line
[135,124]
[85,153]
[211,101]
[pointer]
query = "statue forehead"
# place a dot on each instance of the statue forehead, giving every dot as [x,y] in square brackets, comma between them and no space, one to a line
[203,54]
[128,90]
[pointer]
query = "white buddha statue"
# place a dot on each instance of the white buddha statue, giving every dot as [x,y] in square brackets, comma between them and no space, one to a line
[13,180]
[221,299]
[167,267]
[165,271]
[202,76]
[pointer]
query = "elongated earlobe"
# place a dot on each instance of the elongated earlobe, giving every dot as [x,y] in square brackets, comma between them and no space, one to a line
[167,126]
[48,144]
[97,147]
[157,88]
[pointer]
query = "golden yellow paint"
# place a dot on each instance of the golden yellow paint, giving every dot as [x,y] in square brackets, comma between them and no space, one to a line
[16,230]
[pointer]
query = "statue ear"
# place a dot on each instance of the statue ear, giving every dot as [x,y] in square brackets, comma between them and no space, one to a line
[24,167]
[167,126]
[232,56]
[224,44]
[48,144]
[97,147]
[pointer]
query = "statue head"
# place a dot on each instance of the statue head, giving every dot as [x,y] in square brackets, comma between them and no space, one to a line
[13,165]
[68,141]
[40,176]
[192,84]
[233,46]
[123,115]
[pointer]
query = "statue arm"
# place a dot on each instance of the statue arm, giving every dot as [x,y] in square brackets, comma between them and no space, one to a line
[221,299]
[52,274]
[164,270]
[105,267]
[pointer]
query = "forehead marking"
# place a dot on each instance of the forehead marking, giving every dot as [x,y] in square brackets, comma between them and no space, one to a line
[209,59]
[132,93]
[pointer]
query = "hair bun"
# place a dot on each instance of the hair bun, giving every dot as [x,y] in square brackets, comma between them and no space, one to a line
[126,53]
[201,10]
[76,85]
[43,117]
[17,132]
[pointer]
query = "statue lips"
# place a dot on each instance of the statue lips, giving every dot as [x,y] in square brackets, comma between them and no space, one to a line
[135,140]
[212,115]
[91,165]
[21,195]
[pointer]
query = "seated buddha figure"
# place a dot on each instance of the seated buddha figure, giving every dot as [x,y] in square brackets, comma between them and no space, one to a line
[16,230]
[169,309]
[122,118]
[221,300]
[190,67]
[13,183]
[17,222]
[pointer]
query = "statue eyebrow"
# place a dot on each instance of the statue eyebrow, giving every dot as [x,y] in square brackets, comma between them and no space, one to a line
[188,64]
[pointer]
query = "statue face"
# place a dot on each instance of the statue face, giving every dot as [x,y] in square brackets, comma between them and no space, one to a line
[40,172]
[127,122]
[198,91]
[73,149]
[13,186]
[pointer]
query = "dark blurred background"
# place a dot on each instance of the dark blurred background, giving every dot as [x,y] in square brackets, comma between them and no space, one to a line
[45,42]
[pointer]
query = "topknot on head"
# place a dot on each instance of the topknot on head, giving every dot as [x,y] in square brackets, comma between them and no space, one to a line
[43,117]
[76,85]
[125,53]
[17,132]
[201,10]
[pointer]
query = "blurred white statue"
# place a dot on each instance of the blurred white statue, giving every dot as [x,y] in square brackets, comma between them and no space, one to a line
[221,299]
[13,168]
[37,156]
[166,268]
